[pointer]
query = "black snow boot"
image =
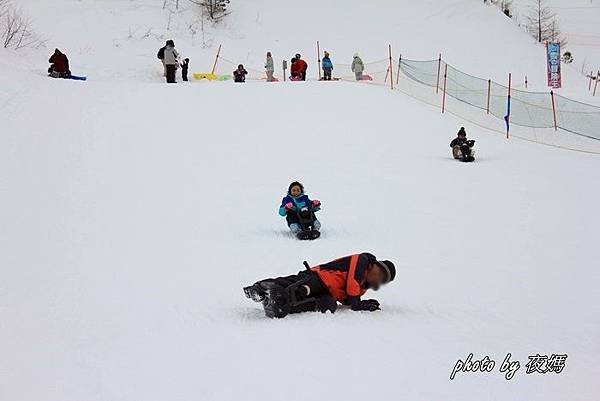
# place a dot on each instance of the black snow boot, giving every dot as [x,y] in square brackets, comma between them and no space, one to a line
[255,292]
[276,301]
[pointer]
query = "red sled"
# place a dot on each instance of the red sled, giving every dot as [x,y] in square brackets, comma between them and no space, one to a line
[295,78]
[366,77]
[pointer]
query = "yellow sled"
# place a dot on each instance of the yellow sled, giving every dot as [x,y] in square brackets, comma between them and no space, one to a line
[201,75]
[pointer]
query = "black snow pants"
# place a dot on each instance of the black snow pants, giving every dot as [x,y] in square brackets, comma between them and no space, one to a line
[327,74]
[184,72]
[309,285]
[171,71]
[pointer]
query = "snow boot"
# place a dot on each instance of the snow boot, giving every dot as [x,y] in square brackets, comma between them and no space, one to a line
[255,292]
[276,301]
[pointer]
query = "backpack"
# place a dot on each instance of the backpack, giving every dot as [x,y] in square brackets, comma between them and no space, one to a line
[161,53]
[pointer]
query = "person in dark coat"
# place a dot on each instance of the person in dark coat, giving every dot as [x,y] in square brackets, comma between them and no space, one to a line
[461,146]
[239,75]
[320,288]
[59,65]
[184,69]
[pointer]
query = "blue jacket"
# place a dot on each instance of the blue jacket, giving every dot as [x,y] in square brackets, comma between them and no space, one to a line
[326,62]
[300,202]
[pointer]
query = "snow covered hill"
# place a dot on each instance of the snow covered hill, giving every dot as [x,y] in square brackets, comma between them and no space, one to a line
[133,212]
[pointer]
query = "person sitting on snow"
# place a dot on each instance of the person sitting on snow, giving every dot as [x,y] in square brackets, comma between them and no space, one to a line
[239,75]
[461,146]
[327,67]
[320,288]
[59,67]
[293,202]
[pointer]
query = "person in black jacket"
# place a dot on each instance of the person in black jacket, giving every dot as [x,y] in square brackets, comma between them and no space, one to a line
[462,147]
[239,75]
[59,67]
[320,288]
[184,69]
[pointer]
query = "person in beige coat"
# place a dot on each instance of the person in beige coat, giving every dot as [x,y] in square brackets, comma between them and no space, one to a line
[357,67]
[269,67]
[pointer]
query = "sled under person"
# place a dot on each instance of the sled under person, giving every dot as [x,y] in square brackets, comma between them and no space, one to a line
[299,211]
[462,148]
[59,65]
[321,288]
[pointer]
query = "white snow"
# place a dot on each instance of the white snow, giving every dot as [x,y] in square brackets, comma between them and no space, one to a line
[132,213]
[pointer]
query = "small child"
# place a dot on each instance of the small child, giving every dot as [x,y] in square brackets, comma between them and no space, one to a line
[462,147]
[184,69]
[295,200]
[327,67]
[239,75]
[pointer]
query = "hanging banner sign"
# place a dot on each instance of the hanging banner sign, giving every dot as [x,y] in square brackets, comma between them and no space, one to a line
[554,74]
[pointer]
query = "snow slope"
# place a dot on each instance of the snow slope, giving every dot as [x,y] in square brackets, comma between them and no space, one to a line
[132,213]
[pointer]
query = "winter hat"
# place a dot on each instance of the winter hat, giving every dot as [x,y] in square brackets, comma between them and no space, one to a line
[462,131]
[298,56]
[389,269]
[294,184]
[170,43]
[326,54]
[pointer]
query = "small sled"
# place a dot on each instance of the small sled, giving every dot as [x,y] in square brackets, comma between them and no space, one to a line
[307,218]
[332,79]
[78,78]
[459,154]
[366,77]
[295,78]
[202,75]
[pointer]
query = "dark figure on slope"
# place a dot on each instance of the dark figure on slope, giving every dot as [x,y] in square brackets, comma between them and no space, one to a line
[59,65]
[184,69]
[462,148]
[239,75]
[320,288]
[299,212]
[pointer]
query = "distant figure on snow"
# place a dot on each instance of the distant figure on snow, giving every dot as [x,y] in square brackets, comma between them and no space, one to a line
[269,67]
[171,61]
[320,288]
[298,68]
[327,67]
[239,75]
[184,69]
[59,65]
[462,147]
[161,56]
[357,67]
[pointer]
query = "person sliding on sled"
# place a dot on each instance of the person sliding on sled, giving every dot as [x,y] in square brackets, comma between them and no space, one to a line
[320,288]
[462,148]
[239,75]
[299,211]
[327,67]
[59,67]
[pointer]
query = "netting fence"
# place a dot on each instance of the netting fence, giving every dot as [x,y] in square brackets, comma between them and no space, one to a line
[527,109]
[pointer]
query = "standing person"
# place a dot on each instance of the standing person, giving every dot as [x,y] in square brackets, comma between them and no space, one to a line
[184,69]
[357,67]
[59,65]
[269,67]
[320,288]
[161,56]
[301,66]
[327,67]
[171,61]
[239,75]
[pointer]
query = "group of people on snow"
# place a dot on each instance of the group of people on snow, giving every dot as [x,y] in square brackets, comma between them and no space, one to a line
[170,58]
[322,287]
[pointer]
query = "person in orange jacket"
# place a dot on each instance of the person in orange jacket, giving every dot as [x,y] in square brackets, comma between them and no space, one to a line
[321,287]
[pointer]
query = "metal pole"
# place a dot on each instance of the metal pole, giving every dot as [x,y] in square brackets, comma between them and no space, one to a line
[398,72]
[437,85]
[508,111]
[554,110]
[391,71]
[216,59]
[596,84]
[591,76]
[319,59]
[489,95]
[444,96]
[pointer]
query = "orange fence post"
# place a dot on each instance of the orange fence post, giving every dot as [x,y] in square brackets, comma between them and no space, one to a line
[596,84]
[319,59]
[444,96]
[489,95]
[554,110]
[437,85]
[216,59]
[398,72]
[391,71]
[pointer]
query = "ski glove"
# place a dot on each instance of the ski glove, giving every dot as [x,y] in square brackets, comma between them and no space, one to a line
[289,206]
[370,305]
[316,203]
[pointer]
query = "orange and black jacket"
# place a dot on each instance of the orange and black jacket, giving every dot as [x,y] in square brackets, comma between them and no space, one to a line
[346,278]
